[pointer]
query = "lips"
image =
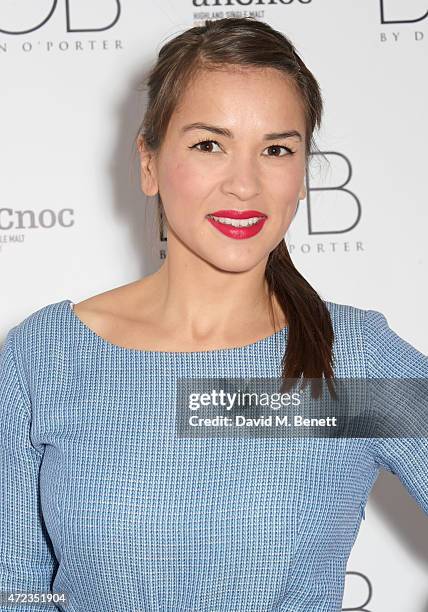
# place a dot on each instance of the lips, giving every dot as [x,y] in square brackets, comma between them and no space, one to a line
[237,224]
[237,214]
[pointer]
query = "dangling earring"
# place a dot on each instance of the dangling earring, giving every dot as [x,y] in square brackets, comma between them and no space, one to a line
[297,208]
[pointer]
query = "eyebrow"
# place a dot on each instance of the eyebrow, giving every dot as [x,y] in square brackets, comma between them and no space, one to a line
[225,132]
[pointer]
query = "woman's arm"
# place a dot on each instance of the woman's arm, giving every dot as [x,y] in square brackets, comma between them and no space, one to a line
[390,357]
[27,563]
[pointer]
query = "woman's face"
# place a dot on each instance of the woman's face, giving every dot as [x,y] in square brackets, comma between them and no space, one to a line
[248,168]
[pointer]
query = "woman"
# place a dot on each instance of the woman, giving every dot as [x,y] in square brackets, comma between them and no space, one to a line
[133,516]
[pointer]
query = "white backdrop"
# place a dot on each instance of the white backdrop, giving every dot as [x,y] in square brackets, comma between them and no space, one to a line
[73,221]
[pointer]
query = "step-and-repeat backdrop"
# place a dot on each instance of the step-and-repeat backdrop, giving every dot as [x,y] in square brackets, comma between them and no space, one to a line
[73,221]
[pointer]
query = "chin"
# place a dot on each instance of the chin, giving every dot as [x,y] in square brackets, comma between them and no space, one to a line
[234,264]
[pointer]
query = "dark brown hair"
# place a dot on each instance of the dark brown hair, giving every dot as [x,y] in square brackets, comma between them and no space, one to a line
[248,42]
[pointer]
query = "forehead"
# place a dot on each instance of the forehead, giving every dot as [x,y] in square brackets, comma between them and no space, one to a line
[241,95]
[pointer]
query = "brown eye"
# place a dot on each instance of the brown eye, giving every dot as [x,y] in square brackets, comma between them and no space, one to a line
[277,147]
[204,144]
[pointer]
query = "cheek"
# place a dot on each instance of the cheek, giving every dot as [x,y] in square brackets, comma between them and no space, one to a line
[285,186]
[182,184]
[284,189]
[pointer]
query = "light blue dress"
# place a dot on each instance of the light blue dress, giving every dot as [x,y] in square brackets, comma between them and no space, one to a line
[102,500]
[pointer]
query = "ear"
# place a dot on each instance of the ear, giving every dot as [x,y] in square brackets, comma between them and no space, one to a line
[302,192]
[149,183]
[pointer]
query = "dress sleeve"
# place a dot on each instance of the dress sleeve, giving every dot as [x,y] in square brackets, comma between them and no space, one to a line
[27,563]
[389,356]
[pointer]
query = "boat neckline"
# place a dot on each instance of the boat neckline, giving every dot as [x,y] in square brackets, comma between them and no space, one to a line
[90,333]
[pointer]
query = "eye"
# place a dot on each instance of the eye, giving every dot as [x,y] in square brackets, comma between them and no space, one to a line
[276,146]
[204,142]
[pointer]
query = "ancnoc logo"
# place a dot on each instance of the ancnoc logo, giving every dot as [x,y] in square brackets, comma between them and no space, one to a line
[70,25]
[214,3]
[30,219]
[387,8]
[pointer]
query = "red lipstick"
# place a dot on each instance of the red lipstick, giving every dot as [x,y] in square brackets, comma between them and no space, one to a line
[237,231]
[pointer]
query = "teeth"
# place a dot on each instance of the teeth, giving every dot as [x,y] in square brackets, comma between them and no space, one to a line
[236,222]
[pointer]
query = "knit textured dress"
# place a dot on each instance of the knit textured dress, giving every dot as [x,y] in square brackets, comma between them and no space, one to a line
[100,499]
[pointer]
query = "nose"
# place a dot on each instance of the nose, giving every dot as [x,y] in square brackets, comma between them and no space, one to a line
[242,179]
